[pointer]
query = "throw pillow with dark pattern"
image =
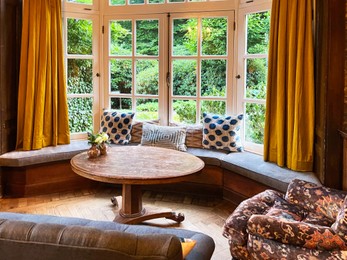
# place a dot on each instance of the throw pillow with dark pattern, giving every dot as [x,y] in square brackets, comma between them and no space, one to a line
[117,125]
[222,132]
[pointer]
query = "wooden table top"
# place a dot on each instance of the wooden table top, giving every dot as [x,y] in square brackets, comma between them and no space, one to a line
[137,165]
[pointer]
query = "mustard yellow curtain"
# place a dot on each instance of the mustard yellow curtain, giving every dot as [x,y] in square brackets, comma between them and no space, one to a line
[289,124]
[42,100]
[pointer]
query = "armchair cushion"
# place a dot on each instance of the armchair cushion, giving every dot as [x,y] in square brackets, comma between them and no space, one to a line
[295,233]
[319,199]
[284,210]
[260,248]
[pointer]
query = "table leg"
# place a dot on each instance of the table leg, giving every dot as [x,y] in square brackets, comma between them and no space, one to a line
[131,201]
[132,211]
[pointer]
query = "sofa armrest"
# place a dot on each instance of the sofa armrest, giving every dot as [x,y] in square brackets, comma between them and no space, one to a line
[295,233]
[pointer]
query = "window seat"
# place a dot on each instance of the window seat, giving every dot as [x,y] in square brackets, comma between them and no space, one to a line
[223,170]
[44,155]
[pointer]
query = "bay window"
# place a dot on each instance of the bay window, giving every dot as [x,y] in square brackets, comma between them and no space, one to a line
[166,60]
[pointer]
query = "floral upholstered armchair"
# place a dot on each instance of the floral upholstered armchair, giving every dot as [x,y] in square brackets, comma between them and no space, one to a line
[308,222]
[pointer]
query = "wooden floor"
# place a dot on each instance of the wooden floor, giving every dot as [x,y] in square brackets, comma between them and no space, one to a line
[203,214]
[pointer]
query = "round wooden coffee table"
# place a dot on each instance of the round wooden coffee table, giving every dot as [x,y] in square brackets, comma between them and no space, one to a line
[134,166]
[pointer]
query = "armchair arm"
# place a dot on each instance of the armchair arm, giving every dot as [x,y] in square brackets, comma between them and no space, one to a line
[295,233]
[236,224]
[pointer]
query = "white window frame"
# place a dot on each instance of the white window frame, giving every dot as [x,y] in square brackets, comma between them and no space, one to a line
[244,10]
[96,67]
[229,57]
[162,21]
[101,11]
[82,8]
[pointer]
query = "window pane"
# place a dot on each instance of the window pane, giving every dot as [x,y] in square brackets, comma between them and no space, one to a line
[214,36]
[121,76]
[185,37]
[254,123]
[80,114]
[132,2]
[123,104]
[213,78]
[147,77]
[184,111]
[147,109]
[258,28]
[117,2]
[156,1]
[213,107]
[79,76]
[79,36]
[175,1]
[121,38]
[256,78]
[184,77]
[147,38]
[89,2]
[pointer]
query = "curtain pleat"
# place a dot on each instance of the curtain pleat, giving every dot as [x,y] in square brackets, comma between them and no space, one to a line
[289,123]
[42,100]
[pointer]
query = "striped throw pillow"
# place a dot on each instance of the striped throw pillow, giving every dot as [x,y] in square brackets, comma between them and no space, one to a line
[164,136]
[136,131]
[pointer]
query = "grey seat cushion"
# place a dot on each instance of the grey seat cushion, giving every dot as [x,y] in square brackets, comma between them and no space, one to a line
[254,167]
[210,157]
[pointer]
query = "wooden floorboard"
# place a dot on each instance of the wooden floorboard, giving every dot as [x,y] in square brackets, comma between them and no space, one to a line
[202,213]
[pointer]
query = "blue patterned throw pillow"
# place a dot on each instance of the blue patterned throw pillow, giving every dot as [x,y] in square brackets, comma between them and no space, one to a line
[117,125]
[222,132]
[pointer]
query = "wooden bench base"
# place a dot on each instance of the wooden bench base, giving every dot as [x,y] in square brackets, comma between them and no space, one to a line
[54,177]
[41,179]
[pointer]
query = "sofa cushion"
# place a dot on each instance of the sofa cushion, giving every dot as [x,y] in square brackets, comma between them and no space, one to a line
[222,132]
[164,136]
[117,125]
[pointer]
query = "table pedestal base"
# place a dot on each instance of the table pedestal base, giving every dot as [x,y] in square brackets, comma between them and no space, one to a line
[132,211]
[147,215]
